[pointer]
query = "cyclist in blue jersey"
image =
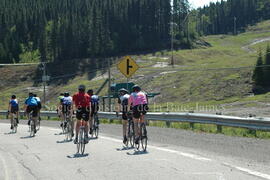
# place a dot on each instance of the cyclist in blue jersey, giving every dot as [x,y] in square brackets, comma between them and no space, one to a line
[94,99]
[13,108]
[31,105]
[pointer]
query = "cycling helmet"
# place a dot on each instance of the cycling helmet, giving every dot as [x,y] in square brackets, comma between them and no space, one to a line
[136,88]
[123,90]
[13,97]
[90,91]
[31,94]
[81,88]
[66,94]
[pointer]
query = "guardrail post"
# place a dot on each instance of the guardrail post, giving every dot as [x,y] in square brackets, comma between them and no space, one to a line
[191,125]
[168,124]
[219,128]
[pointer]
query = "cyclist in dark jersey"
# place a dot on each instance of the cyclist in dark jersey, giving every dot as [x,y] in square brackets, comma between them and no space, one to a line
[123,106]
[94,99]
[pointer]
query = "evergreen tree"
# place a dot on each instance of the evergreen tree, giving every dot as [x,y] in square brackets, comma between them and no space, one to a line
[258,74]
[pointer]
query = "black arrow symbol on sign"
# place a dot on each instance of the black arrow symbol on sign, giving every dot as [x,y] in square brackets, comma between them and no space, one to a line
[128,66]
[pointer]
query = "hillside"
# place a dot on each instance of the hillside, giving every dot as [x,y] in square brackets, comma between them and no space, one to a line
[218,77]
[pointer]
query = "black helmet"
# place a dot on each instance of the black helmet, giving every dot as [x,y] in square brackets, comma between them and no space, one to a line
[66,94]
[123,90]
[31,94]
[13,97]
[90,91]
[81,87]
[136,88]
[61,94]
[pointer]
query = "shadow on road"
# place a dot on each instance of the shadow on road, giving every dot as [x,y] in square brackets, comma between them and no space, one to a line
[58,134]
[9,133]
[124,148]
[27,137]
[137,153]
[63,141]
[77,156]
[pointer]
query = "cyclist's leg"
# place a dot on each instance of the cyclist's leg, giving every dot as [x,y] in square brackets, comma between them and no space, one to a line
[91,118]
[136,117]
[11,119]
[124,122]
[35,116]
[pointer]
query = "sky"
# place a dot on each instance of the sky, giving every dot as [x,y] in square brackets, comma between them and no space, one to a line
[200,3]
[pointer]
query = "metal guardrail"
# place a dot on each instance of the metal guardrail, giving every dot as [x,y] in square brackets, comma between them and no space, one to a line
[219,120]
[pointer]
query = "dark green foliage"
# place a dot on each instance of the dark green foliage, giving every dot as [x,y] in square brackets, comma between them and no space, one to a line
[258,75]
[70,29]
[231,15]
[267,68]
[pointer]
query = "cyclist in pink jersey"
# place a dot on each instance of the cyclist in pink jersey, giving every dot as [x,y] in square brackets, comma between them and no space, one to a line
[139,102]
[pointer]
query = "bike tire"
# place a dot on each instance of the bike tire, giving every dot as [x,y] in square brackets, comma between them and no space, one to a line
[79,142]
[131,134]
[144,138]
[96,126]
[83,142]
[32,133]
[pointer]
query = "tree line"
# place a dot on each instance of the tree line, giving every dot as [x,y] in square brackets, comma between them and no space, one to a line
[231,16]
[59,30]
[261,72]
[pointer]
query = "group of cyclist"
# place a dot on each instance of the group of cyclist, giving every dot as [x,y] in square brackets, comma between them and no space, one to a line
[31,105]
[86,104]
[134,104]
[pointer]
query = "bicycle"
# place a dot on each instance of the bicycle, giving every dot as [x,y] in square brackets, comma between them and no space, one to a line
[68,126]
[14,123]
[130,133]
[82,137]
[95,125]
[142,137]
[31,125]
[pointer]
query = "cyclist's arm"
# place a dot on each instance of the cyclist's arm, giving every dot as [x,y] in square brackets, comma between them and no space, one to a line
[9,107]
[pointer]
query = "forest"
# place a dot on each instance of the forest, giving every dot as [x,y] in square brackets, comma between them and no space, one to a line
[61,30]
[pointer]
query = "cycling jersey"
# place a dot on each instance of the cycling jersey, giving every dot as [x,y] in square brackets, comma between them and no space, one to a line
[14,103]
[31,101]
[94,100]
[81,100]
[138,98]
[38,99]
[66,100]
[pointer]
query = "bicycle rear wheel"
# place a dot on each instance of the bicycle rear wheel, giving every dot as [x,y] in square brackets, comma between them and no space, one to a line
[15,125]
[96,127]
[82,142]
[131,134]
[32,128]
[144,137]
[79,141]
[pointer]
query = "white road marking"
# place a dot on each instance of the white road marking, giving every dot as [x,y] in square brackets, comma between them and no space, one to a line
[251,172]
[5,167]
[192,156]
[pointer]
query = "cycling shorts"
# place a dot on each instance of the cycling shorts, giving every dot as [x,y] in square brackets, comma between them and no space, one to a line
[139,110]
[82,114]
[14,109]
[33,109]
[66,108]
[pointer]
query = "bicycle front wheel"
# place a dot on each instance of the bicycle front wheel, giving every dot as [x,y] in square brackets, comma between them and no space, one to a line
[144,137]
[82,142]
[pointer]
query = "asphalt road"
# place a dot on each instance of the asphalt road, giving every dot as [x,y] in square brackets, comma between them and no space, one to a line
[172,154]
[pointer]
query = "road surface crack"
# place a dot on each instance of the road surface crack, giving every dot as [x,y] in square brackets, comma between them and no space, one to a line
[38,158]
[28,169]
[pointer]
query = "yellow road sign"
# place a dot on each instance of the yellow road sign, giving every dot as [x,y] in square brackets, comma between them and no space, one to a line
[127,66]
